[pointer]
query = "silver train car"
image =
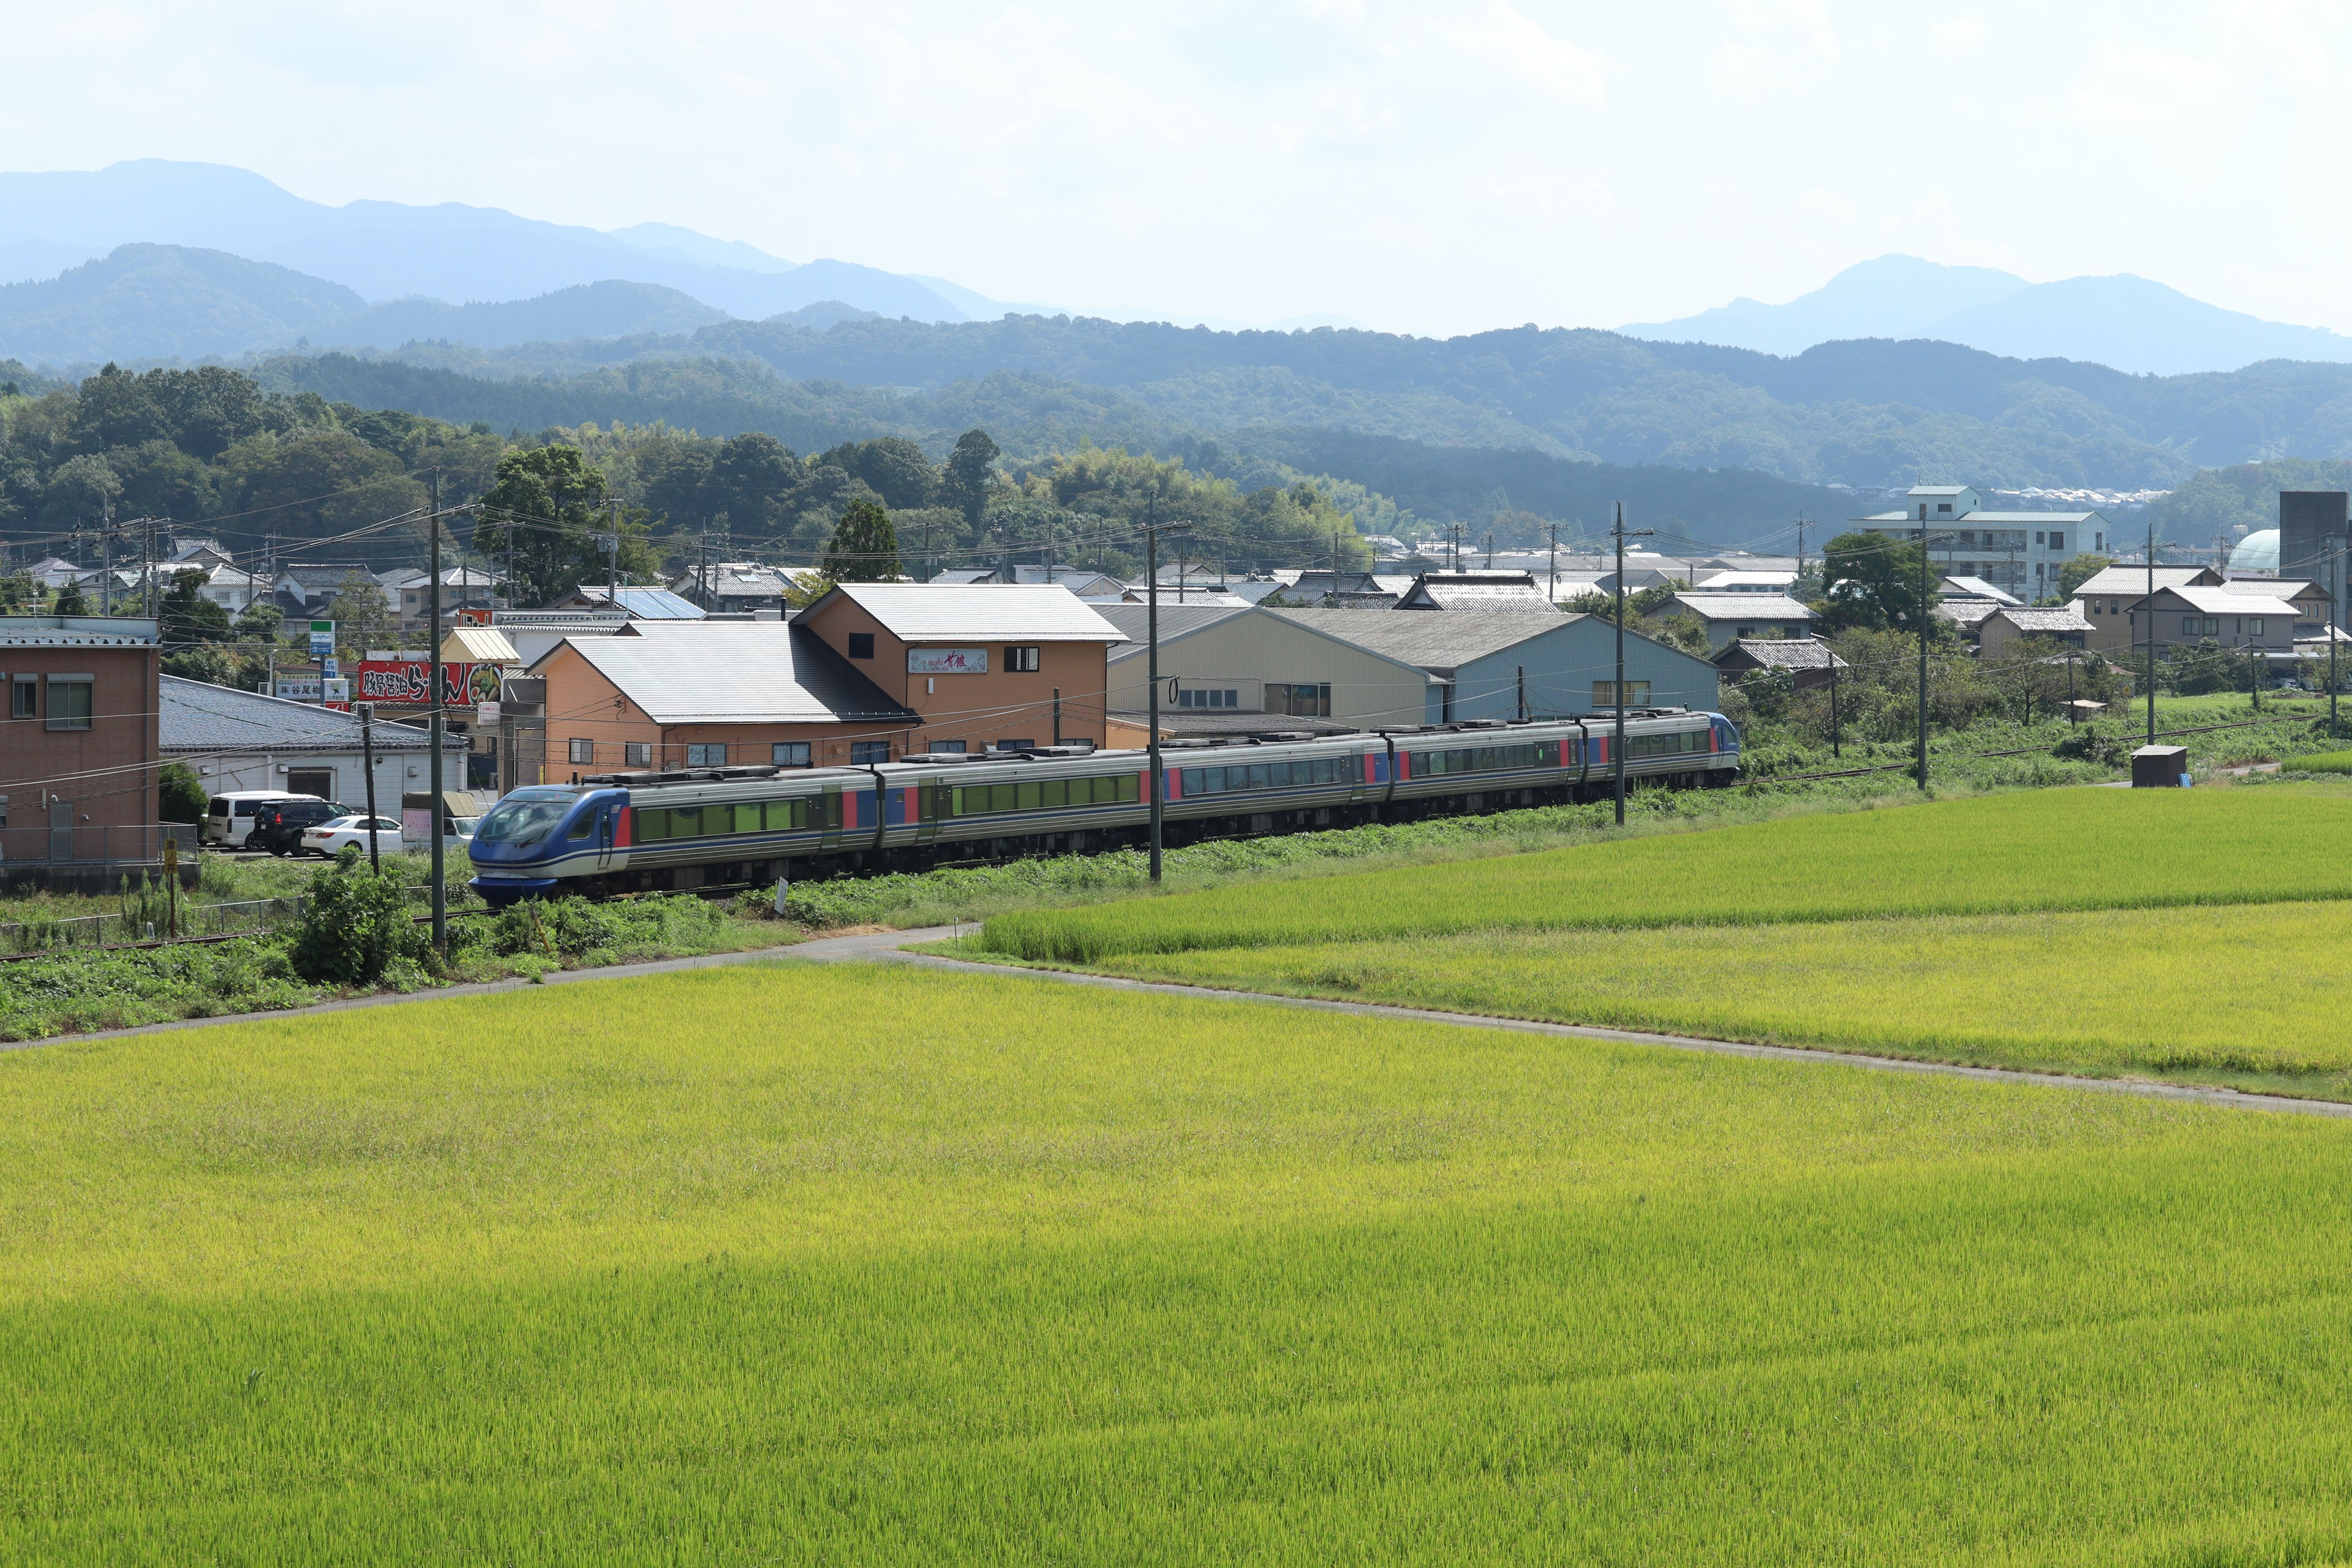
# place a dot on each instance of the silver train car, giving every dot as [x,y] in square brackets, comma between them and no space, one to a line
[724,827]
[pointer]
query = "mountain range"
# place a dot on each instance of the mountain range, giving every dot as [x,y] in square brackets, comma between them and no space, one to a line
[389,250]
[2124,323]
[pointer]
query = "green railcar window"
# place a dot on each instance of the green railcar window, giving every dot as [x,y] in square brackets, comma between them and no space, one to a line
[1053,794]
[746,818]
[1000,798]
[651,825]
[1130,788]
[1027,797]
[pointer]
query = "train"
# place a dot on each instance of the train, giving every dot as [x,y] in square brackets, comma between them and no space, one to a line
[708,829]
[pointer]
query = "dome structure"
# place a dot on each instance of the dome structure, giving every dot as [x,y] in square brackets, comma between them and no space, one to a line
[2257,552]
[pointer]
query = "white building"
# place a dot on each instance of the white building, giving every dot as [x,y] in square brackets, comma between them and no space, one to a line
[2018,552]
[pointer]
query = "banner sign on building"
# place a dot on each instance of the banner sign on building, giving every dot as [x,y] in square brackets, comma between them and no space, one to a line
[947,661]
[408,682]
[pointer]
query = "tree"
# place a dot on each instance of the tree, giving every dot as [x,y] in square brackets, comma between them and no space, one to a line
[544,511]
[971,474]
[180,796]
[865,548]
[190,619]
[2078,571]
[752,478]
[1873,581]
[363,619]
[892,467]
[70,602]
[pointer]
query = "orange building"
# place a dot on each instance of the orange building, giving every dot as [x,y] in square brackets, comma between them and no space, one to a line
[79,755]
[977,665]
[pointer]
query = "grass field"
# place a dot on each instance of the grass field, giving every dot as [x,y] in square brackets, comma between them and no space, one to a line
[2239,995]
[781,1264]
[2056,849]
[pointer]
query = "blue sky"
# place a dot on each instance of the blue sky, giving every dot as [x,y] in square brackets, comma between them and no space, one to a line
[1421,168]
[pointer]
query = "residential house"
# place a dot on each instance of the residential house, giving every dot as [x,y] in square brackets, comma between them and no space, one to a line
[77,758]
[1736,618]
[637,604]
[1976,588]
[666,695]
[410,591]
[1808,662]
[994,664]
[2007,623]
[1478,591]
[1748,583]
[2193,614]
[2109,599]
[1244,669]
[738,587]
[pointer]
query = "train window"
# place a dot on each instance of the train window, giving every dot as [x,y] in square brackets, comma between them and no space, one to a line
[1027,797]
[746,818]
[776,816]
[1053,792]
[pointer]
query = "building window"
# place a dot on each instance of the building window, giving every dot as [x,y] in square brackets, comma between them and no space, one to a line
[2188,625]
[1604,694]
[583,750]
[1021,745]
[2256,628]
[22,704]
[868,753]
[1223,698]
[1300,699]
[1944,509]
[861,645]
[954,747]
[2212,626]
[638,754]
[712,754]
[2057,542]
[789,753]
[2037,537]
[1022,659]
[70,701]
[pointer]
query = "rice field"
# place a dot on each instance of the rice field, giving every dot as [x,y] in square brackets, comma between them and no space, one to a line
[2241,996]
[802,1264]
[2031,850]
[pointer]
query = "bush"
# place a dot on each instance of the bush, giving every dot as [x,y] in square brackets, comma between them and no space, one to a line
[356,926]
[180,796]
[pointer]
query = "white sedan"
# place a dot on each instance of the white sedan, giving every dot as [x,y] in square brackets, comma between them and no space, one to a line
[330,837]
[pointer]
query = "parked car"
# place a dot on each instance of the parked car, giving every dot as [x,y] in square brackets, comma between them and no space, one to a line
[328,838]
[277,827]
[459,838]
[230,817]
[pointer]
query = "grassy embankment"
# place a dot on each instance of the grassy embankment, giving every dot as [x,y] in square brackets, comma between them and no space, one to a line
[2192,935]
[776,1263]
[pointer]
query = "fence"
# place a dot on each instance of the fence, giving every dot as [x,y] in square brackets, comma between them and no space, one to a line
[27,840]
[146,915]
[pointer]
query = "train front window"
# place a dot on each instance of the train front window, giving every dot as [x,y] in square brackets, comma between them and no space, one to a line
[525,817]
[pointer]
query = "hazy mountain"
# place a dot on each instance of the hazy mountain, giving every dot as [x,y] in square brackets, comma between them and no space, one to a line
[386,250]
[2123,322]
[166,301]
[1892,297]
[606,309]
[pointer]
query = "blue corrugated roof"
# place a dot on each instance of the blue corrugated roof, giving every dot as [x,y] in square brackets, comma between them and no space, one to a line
[657,605]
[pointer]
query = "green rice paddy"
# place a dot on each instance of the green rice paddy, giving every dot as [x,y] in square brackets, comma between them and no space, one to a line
[802,1265]
[2046,849]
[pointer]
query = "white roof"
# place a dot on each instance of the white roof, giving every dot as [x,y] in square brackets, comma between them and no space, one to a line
[2222,602]
[733,672]
[1978,588]
[1743,607]
[935,612]
[2133,580]
[1745,582]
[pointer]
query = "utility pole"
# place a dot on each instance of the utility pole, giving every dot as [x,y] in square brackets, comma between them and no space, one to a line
[366,712]
[1836,749]
[440,869]
[2150,609]
[1335,570]
[1923,644]
[613,505]
[1617,746]
[1552,588]
[106,558]
[1801,526]
[1152,617]
[2335,622]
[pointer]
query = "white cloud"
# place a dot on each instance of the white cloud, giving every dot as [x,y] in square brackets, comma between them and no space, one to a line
[1507,38]
[1959,36]
[2139,87]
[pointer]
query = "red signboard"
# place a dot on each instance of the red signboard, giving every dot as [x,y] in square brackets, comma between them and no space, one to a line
[408,682]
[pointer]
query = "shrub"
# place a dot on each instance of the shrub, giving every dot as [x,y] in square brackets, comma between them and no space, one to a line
[355,925]
[179,796]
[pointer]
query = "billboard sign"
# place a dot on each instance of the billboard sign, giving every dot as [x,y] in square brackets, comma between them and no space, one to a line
[947,661]
[408,682]
[323,638]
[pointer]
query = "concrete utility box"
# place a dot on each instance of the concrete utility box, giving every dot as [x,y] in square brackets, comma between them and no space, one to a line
[2160,767]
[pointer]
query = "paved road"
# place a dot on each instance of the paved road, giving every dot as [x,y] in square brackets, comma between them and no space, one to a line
[889,947]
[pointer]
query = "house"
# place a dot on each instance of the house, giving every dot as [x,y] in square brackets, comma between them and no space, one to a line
[2193,614]
[1478,591]
[410,591]
[1966,615]
[2309,599]
[2007,623]
[533,632]
[690,694]
[734,587]
[1244,668]
[1807,661]
[1085,582]
[2018,552]
[637,604]
[1509,664]
[227,585]
[244,741]
[77,758]
[992,664]
[1748,583]
[55,571]
[1976,588]
[1736,618]
[1342,589]
[308,587]
[2108,599]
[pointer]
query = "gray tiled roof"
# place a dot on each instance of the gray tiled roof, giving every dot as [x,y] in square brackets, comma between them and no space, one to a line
[1743,607]
[931,612]
[734,672]
[1438,641]
[1785,653]
[200,716]
[1175,621]
[2043,620]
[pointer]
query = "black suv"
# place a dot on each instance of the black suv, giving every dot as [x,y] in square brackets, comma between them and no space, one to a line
[277,827]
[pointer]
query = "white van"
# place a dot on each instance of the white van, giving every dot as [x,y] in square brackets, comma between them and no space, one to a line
[230,817]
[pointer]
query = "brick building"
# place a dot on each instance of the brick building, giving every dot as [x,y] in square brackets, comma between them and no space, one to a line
[78,748]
